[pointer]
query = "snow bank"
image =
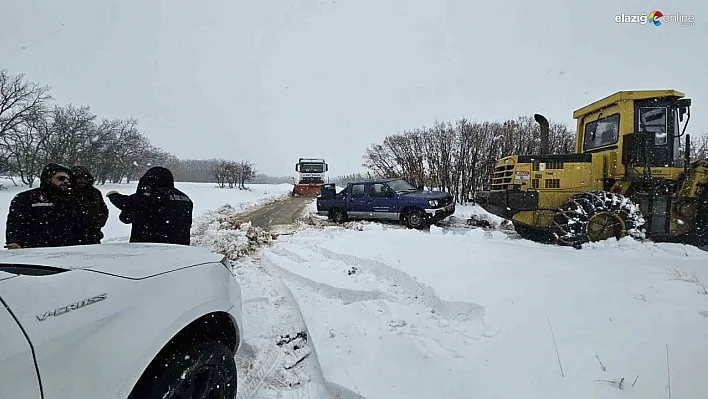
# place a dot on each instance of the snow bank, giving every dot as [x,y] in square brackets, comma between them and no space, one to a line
[220,231]
[472,312]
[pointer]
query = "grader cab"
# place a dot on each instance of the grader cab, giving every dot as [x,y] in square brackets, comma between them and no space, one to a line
[631,174]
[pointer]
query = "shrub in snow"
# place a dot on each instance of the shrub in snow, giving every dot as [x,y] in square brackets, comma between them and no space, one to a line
[220,231]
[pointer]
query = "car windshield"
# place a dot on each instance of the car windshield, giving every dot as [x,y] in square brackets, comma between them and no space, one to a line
[401,186]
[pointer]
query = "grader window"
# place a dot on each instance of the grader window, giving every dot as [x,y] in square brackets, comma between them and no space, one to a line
[601,132]
[654,119]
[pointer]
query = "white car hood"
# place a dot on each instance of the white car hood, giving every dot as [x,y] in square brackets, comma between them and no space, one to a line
[6,275]
[129,260]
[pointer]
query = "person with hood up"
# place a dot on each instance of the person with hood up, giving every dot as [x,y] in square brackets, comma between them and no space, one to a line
[158,212]
[90,203]
[45,216]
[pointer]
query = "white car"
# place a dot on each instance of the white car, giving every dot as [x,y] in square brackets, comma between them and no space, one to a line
[123,320]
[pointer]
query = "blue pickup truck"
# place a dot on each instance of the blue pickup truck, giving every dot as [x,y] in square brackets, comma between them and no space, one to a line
[390,199]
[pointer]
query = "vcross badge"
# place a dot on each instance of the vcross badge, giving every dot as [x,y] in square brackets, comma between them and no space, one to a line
[68,308]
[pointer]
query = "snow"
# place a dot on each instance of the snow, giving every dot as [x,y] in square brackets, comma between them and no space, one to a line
[459,313]
[375,310]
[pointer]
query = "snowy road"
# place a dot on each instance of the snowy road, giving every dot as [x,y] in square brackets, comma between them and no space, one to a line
[277,215]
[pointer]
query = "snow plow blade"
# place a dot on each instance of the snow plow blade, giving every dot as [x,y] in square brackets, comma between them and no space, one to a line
[307,190]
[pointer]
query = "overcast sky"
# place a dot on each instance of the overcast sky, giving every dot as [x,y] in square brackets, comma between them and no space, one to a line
[272,81]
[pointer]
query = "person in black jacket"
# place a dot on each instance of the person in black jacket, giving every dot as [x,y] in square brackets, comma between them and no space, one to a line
[45,216]
[158,211]
[90,203]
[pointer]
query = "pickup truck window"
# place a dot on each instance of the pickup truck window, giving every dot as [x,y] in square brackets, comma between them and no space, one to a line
[357,190]
[400,186]
[377,190]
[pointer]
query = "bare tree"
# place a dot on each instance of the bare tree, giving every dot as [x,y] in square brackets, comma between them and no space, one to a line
[220,172]
[72,129]
[244,172]
[26,143]
[18,99]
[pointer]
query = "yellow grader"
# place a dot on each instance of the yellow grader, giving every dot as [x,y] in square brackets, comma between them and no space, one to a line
[631,174]
[312,172]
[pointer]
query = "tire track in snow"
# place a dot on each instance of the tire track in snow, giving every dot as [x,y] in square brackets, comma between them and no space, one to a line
[256,378]
[404,288]
[347,296]
[286,366]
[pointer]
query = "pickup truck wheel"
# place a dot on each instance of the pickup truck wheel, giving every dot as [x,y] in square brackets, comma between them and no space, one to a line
[204,370]
[337,216]
[415,219]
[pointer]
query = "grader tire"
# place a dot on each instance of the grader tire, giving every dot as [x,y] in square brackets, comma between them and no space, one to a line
[597,216]
[701,233]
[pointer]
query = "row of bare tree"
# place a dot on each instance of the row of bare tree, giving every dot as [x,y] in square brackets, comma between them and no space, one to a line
[208,170]
[34,131]
[232,173]
[460,157]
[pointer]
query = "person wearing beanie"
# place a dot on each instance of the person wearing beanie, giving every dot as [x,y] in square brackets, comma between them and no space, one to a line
[45,216]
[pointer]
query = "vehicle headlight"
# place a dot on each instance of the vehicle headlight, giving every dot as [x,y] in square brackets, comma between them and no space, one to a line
[433,203]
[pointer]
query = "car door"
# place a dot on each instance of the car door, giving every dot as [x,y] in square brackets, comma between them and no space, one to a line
[356,207]
[18,374]
[382,202]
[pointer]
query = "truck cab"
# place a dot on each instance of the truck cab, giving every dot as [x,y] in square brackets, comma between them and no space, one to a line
[388,199]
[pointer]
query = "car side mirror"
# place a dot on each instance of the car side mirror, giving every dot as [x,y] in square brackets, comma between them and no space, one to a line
[389,194]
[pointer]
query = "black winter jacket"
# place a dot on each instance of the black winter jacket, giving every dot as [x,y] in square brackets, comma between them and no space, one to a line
[91,206]
[44,216]
[158,211]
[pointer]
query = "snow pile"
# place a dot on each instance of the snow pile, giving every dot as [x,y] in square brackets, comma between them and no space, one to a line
[474,215]
[221,231]
[312,219]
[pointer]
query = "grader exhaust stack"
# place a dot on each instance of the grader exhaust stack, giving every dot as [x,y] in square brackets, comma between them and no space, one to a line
[312,172]
[543,123]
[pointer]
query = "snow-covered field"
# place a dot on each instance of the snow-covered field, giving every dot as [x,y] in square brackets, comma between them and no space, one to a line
[380,311]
